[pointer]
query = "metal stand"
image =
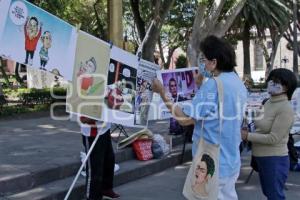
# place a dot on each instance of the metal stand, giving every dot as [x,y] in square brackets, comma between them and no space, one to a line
[249,176]
[121,131]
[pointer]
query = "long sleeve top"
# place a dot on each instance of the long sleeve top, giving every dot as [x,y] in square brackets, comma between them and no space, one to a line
[272,129]
[30,44]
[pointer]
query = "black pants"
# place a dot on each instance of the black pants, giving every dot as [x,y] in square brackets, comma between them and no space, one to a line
[43,63]
[29,53]
[100,166]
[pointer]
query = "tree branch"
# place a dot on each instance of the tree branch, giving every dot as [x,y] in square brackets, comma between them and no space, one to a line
[140,23]
[102,32]
[224,25]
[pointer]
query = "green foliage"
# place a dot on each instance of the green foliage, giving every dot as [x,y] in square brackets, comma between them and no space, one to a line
[80,12]
[41,96]
[181,62]
[15,110]
[36,96]
[175,32]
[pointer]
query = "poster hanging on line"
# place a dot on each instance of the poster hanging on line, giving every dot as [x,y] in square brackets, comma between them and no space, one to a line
[145,75]
[39,79]
[128,89]
[86,93]
[180,87]
[32,36]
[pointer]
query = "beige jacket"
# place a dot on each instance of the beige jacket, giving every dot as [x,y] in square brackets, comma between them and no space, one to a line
[272,130]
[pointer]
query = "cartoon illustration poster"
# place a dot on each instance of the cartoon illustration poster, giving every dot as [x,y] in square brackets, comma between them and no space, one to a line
[86,94]
[179,85]
[32,36]
[124,92]
[121,87]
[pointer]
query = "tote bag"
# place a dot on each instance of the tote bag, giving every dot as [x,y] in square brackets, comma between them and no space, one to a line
[202,181]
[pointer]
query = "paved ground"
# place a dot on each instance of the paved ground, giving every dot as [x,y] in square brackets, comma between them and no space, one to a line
[167,185]
[30,144]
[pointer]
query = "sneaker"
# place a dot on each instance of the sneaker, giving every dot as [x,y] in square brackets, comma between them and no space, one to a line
[110,194]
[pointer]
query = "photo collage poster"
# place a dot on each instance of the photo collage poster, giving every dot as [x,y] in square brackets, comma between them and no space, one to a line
[86,94]
[180,87]
[145,75]
[32,36]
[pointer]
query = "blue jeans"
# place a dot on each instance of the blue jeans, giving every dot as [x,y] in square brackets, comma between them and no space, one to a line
[273,172]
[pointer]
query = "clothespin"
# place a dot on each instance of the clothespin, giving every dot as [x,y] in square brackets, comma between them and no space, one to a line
[139,54]
[78,26]
[111,44]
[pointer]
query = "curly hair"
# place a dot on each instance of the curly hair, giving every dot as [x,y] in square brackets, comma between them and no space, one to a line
[209,163]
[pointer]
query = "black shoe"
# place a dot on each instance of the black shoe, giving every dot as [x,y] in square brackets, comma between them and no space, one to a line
[110,194]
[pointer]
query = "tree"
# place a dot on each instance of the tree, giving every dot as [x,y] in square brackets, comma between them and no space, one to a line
[176,30]
[212,17]
[91,14]
[181,62]
[3,72]
[295,36]
[288,35]
[159,11]
[273,15]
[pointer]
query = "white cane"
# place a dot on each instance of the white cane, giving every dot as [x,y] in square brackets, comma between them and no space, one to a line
[81,167]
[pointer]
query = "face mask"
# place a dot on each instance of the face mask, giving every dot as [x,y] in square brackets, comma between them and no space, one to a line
[274,88]
[203,71]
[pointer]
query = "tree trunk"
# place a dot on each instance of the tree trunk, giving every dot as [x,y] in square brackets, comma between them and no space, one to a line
[295,43]
[102,33]
[161,52]
[140,24]
[3,72]
[205,25]
[170,54]
[153,32]
[273,53]
[149,43]
[246,49]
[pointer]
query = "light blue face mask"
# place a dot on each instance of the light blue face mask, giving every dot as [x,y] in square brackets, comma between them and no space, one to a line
[203,71]
[274,88]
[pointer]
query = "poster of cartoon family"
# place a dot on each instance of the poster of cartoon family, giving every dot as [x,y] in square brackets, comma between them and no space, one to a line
[32,36]
[180,87]
[86,94]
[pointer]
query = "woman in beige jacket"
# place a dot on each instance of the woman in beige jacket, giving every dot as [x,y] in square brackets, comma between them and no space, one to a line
[271,135]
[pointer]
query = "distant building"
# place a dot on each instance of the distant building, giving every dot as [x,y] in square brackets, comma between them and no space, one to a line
[284,58]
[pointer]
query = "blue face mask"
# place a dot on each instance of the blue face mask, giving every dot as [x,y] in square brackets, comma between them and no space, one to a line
[203,71]
[274,88]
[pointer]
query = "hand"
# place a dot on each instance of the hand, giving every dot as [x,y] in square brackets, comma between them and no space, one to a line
[157,86]
[198,79]
[244,134]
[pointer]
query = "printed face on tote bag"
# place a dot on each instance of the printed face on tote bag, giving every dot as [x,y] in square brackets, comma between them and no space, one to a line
[205,168]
